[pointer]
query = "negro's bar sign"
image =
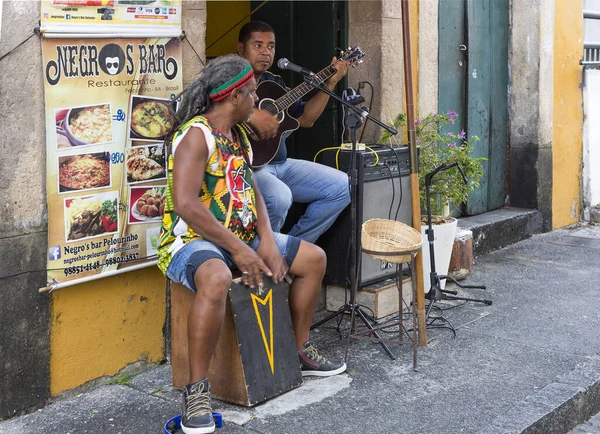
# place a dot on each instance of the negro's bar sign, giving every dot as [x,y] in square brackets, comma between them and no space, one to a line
[109,106]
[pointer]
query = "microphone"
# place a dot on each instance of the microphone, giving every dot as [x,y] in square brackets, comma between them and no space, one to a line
[283,63]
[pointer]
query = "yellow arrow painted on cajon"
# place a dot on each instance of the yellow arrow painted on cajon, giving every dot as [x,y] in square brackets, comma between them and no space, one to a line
[268,348]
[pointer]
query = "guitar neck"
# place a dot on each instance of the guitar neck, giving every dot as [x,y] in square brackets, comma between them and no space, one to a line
[299,91]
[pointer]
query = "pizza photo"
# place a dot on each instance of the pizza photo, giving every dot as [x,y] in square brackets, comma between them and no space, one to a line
[150,118]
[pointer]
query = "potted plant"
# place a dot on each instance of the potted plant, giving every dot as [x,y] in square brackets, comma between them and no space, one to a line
[438,146]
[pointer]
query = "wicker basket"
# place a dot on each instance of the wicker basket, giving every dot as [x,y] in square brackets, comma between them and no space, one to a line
[389,240]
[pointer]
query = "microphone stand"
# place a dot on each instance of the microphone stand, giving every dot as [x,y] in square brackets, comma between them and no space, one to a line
[436,293]
[353,120]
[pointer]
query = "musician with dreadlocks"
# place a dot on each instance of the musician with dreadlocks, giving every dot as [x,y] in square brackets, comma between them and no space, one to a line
[215,219]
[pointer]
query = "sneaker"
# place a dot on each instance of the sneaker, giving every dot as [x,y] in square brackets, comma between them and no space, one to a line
[196,417]
[312,363]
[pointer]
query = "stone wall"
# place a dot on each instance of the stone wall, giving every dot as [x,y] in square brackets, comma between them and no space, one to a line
[377,27]
[530,106]
[24,313]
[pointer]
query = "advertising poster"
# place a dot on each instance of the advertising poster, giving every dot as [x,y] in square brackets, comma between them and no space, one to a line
[107,114]
[110,16]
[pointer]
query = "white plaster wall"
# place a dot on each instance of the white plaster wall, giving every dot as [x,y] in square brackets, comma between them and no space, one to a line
[546,71]
[591,140]
[428,57]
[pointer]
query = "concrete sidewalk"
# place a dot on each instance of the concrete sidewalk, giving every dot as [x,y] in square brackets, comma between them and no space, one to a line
[528,363]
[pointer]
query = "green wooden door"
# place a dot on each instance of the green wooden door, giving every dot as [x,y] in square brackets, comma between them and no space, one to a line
[452,61]
[473,65]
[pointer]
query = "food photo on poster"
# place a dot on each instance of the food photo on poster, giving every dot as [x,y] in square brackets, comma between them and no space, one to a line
[83,126]
[146,204]
[86,171]
[91,216]
[150,118]
[145,163]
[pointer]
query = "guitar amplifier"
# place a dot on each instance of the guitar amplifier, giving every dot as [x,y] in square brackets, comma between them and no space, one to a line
[383,190]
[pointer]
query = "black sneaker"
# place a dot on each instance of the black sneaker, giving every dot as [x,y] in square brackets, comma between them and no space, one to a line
[312,363]
[196,417]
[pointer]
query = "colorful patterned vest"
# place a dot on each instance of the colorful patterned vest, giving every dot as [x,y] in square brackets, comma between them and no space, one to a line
[227,192]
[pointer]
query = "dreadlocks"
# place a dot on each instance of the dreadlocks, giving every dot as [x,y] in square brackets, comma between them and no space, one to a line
[195,99]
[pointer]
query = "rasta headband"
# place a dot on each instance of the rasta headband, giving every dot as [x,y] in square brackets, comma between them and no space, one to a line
[237,82]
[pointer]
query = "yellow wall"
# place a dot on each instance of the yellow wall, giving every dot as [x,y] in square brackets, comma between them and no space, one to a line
[221,16]
[99,327]
[568,117]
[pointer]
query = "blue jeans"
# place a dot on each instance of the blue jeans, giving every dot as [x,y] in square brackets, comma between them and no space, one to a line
[326,190]
[188,259]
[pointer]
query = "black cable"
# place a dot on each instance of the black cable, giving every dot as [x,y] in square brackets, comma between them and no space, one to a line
[393,190]
[192,47]
[399,181]
[454,306]
[346,281]
[370,310]
[19,44]
[432,323]
[237,24]
[370,106]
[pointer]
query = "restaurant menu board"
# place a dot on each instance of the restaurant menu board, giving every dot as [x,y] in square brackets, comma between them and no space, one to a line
[109,106]
[105,16]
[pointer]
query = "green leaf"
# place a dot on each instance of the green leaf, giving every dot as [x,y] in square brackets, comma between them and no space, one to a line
[436,148]
[122,380]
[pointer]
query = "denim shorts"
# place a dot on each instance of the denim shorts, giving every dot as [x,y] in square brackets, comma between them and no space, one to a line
[187,259]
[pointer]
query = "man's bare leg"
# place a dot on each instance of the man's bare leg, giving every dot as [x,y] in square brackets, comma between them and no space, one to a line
[308,269]
[205,320]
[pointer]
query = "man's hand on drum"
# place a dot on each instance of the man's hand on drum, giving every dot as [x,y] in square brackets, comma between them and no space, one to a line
[251,266]
[269,252]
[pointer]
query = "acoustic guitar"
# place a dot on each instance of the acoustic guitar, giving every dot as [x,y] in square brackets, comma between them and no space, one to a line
[276,100]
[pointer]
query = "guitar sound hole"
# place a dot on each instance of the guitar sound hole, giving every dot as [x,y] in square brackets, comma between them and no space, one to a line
[269,105]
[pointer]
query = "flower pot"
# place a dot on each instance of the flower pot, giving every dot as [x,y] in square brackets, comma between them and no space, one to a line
[442,246]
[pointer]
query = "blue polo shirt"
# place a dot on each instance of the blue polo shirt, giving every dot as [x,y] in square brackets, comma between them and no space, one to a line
[294,110]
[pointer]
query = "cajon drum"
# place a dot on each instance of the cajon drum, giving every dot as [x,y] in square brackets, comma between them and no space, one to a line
[256,357]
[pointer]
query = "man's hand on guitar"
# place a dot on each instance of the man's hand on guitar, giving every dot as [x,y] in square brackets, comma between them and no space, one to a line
[264,123]
[341,69]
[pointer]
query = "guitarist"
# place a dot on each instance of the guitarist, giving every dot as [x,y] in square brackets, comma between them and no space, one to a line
[285,180]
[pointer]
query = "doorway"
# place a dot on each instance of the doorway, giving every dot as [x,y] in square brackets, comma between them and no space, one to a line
[307,33]
[473,81]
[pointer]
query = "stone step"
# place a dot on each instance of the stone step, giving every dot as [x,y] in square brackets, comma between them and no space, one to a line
[500,228]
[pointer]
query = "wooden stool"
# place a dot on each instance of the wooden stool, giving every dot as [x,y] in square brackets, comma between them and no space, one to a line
[397,243]
[256,357]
